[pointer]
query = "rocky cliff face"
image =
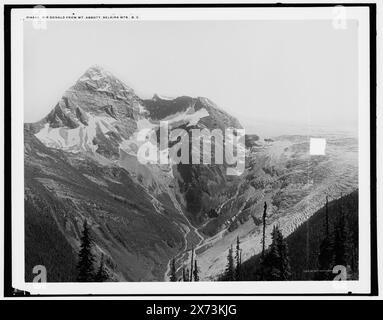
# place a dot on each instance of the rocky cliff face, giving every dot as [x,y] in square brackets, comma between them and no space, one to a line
[293,183]
[81,162]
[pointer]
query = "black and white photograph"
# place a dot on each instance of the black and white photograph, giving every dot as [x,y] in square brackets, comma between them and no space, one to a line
[227,147]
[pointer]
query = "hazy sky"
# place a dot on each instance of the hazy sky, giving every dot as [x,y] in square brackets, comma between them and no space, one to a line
[271,75]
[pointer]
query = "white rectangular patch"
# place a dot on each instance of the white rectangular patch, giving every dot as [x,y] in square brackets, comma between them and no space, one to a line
[317,146]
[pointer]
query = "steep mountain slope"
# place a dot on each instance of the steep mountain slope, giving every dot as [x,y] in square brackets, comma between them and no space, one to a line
[81,163]
[292,182]
[203,186]
[137,237]
[304,242]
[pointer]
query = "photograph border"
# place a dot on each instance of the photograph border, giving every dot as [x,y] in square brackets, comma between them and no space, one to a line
[9,291]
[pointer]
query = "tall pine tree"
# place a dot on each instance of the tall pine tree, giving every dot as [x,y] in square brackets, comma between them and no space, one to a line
[191,264]
[173,271]
[195,271]
[238,261]
[276,265]
[101,275]
[185,275]
[284,262]
[85,258]
[264,216]
[230,272]
[264,228]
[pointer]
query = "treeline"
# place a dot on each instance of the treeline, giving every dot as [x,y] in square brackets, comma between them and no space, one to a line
[233,268]
[188,275]
[329,238]
[274,263]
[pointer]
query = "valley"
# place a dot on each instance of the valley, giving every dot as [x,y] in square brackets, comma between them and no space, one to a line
[81,163]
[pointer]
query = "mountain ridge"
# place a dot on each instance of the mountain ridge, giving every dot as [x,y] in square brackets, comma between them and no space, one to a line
[81,164]
[94,132]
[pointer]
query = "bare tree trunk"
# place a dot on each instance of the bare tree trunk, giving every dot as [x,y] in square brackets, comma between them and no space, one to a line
[264,229]
[327,227]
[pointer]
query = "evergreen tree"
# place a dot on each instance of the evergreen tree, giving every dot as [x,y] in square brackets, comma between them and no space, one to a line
[173,271]
[85,258]
[327,223]
[184,279]
[284,262]
[276,265]
[191,264]
[270,260]
[185,274]
[261,271]
[229,273]
[101,275]
[195,271]
[264,228]
[238,261]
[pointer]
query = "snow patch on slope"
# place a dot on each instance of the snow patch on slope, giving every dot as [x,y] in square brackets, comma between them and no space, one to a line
[189,117]
[77,139]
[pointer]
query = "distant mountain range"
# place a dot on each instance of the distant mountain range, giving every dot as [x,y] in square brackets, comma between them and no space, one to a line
[81,164]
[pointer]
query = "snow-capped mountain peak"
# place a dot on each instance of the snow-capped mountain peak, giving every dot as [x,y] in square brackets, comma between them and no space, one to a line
[99,81]
[100,113]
